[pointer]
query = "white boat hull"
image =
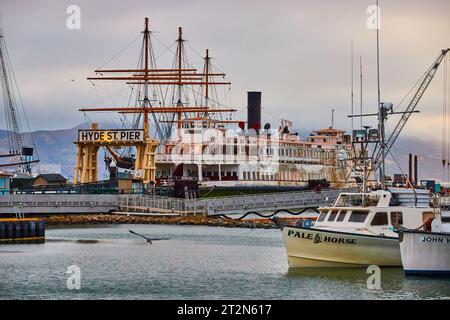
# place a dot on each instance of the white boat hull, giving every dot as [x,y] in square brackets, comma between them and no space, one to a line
[425,253]
[314,248]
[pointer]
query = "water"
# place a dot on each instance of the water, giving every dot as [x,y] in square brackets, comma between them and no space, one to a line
[195,263]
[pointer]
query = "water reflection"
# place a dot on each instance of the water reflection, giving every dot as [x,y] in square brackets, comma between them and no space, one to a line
[196,263]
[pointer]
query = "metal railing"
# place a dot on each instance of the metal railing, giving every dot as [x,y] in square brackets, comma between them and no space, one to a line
[52,203]
[232,204]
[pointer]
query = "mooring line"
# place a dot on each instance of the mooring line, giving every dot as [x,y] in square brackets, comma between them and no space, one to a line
[270,215]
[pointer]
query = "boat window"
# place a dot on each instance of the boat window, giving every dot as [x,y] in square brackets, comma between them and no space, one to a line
[332,215]
[396,218]
[358,216]
[341,216]
[380,219]
[427,215]
[322,216]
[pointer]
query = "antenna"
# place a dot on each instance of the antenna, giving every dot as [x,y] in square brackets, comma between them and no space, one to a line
[352,100]
[361,89]
[332,118]
[380,111]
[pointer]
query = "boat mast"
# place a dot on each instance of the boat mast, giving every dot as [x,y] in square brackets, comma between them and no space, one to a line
[146,100]
[381,114]
[361,89]
[352,84]
[17,144]
[180,85]
[207,60]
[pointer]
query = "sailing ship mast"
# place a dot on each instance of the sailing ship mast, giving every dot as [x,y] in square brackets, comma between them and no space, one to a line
[19,151]
[175,78]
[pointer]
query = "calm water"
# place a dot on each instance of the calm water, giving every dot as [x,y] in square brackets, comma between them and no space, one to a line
[196,263]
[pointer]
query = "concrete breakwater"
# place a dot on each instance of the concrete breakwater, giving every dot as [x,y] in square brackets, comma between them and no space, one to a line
[101,219]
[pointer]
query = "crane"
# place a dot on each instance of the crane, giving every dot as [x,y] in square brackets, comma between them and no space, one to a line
[429,75]
[16,142]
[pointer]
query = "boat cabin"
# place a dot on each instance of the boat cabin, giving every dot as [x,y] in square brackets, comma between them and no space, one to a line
[377,212]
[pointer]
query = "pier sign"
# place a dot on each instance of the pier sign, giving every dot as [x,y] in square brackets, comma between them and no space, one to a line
[110,136]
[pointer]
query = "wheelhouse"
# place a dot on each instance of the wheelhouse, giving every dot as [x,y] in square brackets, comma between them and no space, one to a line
[377,212]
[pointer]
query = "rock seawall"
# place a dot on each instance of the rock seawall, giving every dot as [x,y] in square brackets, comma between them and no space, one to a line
[98,219]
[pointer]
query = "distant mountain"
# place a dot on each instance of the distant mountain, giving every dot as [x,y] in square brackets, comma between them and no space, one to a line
[55,149]
[57,152]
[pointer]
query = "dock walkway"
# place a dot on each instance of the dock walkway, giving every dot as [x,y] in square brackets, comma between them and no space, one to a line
[50,204]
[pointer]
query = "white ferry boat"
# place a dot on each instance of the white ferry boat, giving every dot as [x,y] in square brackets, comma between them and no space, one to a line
[240,157]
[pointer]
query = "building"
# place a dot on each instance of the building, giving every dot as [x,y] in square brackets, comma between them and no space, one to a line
[5,182]
[20,181]
[329,138]
[399,180]
[49,180]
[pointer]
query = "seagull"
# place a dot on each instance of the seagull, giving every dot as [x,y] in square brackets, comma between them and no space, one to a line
[149,240]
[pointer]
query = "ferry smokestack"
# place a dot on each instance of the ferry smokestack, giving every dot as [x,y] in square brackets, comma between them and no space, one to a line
[254,110]
[415,171]
[410,170]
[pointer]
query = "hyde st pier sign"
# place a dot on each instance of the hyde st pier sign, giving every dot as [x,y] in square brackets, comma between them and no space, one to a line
[111,136]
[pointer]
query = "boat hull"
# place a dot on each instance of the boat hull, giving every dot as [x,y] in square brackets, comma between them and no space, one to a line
[425,253]
[315,248]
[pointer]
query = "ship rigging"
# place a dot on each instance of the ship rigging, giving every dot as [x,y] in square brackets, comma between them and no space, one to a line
[169,104]
[22,153]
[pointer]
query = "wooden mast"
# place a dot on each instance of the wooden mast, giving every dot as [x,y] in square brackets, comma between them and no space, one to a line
[180,61]
[146,100]
[207,77]
[178,76]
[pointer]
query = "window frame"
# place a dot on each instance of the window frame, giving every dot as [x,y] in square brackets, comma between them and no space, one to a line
[323,214]
[358,211]
[334,214]
[391,215]
[379,213]
[342,213]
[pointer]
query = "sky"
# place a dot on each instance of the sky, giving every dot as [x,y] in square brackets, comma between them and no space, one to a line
[296,52]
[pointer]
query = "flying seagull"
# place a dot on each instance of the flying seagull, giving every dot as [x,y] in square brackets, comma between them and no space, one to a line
[149,240]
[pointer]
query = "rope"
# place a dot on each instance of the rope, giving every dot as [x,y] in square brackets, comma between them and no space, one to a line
[266,216]
[120,52]
[210,190]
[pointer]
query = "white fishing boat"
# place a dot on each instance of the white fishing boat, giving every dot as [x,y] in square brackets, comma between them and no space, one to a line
[358,230]
[426,252]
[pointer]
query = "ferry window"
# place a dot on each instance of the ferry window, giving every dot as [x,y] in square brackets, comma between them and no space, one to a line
[380,219]
[322,216]
[396,218]
[341,216]
[358,216]
[332,215]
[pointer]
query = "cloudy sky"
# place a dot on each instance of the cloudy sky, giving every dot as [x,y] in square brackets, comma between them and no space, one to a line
[297,52]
